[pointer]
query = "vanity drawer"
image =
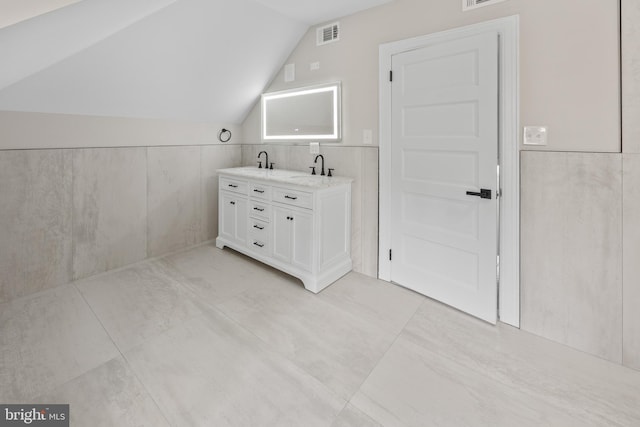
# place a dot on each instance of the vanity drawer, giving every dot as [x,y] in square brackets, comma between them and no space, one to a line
[259,229]
[293,197]
[259,245]
[259,191]
[260,210]
[234,185]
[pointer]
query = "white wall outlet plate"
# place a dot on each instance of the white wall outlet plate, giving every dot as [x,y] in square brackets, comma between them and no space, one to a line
[289,72]
[535,135]
[314,147]
[314,66]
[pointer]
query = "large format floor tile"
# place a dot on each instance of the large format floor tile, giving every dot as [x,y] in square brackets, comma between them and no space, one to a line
[138,302]
[374,301]
[109,395]
[211,338]
[47,339]
[210,372]
[353,417]
[216,275]
[333,345]
[565,379]
[414,386]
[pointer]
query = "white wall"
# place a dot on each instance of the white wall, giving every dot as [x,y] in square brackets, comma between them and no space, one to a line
[20,130]
[568,65]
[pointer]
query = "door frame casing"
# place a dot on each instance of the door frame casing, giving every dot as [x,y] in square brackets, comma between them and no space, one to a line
[508,149]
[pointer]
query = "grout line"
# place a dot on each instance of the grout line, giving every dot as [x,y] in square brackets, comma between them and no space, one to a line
[622,263]
[122,355]
[384,354]
[72,261]
[146,160]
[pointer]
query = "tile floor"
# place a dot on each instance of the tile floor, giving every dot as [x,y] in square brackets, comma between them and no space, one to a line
[208,337]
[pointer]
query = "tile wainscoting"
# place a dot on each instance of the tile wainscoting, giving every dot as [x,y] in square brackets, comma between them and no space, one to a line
[67,214]
[571,249]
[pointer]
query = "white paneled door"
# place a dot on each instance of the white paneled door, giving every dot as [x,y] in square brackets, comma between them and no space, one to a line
[444,231]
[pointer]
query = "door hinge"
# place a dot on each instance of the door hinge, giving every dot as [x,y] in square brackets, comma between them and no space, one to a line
[390,75]
[389,254]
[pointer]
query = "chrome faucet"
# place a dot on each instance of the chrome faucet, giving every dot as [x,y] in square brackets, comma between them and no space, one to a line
[266,163]
[316,161]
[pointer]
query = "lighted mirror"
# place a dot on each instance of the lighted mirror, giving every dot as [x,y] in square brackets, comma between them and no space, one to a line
[302,114]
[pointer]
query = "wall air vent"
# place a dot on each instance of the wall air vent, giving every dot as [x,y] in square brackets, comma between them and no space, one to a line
[474,4]
[328,34]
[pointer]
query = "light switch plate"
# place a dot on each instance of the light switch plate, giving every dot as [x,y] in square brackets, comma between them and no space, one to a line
[314,66]
[314,147]
[535,135]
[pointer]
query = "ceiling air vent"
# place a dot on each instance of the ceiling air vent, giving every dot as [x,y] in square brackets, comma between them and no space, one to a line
[474,4]
[328,34]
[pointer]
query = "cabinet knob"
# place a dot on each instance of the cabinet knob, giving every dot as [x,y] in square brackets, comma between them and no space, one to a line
[233,203]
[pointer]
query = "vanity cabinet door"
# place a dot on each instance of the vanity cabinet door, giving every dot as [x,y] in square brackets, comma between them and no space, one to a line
[282,232]
[302,234]
[234,216]
[292,234]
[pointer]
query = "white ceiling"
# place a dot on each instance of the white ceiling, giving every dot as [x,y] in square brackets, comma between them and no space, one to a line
[201,60]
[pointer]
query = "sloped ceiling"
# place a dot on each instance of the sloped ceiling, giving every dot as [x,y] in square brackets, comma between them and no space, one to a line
[199,60]
[14,11]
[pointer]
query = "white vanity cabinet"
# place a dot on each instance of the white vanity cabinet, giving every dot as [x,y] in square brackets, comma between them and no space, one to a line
[300,224]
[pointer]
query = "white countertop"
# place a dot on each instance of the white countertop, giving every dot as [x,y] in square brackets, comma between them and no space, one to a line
[286,177]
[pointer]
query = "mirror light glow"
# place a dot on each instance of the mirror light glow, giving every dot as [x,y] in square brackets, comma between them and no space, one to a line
[310,113]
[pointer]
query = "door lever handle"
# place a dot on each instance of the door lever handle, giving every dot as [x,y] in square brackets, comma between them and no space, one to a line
[484,193]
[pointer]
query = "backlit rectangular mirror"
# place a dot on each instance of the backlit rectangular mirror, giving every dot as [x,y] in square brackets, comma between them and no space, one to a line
[311,113]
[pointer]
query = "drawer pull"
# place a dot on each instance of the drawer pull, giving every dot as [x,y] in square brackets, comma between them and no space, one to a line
[258,244]
[258,227]
[258,209]
[233,186]
[290,197]
[258,191]
[233,203]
